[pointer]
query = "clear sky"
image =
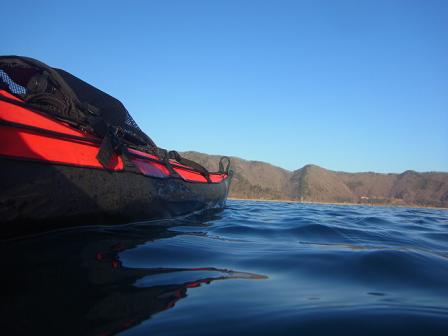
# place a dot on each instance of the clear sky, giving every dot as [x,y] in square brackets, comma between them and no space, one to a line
[347,85]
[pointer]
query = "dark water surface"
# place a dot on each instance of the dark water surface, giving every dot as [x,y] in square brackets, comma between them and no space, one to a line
[261,268]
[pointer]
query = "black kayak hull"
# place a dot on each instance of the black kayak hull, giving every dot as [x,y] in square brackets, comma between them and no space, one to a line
[38,196]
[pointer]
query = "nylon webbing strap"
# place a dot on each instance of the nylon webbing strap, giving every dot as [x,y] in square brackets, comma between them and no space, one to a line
[106,151]
[112,143]
[164,156]
[221,165]
[196,166]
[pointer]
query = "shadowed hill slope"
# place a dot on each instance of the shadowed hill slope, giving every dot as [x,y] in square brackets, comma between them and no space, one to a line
[252,179]
[260,180]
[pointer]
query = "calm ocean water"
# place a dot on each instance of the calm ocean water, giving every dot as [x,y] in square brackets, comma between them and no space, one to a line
[260,268]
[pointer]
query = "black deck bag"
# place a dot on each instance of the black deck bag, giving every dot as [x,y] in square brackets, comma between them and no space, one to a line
[67,97]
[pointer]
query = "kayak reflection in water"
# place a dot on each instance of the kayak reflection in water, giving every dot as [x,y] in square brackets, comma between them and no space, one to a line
[73,283]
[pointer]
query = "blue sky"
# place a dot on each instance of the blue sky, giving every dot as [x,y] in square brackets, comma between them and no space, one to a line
[347,85]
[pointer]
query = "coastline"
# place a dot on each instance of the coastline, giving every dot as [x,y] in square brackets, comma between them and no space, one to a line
[340,204]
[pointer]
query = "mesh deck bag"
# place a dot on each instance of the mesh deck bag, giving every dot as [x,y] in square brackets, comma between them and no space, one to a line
[67,97]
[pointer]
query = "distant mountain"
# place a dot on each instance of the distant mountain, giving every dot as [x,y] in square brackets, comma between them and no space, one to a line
[260,180]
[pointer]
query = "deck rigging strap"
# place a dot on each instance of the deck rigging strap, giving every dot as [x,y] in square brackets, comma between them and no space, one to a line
[196,166]
[221,165]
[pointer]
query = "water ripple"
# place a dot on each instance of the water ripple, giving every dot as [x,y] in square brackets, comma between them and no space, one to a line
[323,269]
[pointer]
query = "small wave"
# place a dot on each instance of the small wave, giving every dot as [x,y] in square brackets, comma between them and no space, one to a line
[326,269]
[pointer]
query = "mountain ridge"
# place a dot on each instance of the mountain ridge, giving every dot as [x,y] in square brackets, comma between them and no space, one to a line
[312,183]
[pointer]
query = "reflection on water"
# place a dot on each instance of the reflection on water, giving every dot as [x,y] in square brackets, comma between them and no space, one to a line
[323,269]
[73,282]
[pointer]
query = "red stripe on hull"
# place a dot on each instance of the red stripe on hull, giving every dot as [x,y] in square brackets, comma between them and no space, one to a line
[29,145]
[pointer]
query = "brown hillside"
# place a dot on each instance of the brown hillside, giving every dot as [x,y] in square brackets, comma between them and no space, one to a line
[252,179]
[260,180]
[427,189]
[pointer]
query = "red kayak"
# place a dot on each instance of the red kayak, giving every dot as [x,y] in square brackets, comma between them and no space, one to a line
[72,155]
